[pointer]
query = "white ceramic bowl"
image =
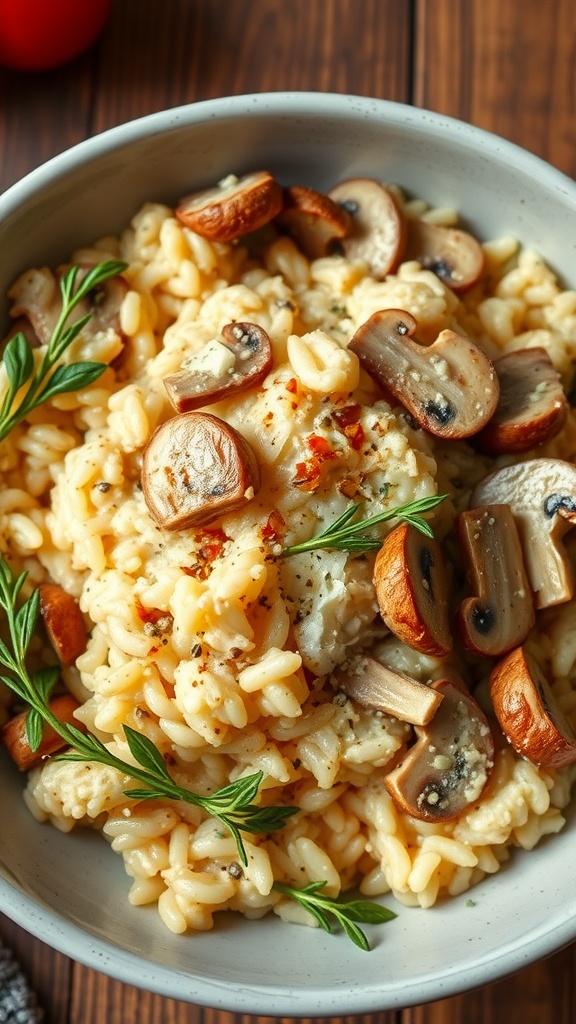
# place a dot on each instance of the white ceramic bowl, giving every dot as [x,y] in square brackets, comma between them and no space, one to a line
[70,890]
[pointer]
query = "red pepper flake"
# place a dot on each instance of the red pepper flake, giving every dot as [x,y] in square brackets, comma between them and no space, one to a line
[347,415]
[356,436]
[275,526]
[292,386]
[211,544]
[307,475]
[151,614]
[320,447]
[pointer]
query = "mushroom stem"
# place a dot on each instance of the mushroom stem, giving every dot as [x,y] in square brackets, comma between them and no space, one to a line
[501,615]
[542,496]
[374,685]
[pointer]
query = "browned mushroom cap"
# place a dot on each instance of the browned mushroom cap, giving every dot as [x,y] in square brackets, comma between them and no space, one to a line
[64,622]
[313,220]
[378,232]
[453,255]
[243,360]
[528,713]
[233,208]
[14,737]
[502,614]
[412,590]
[450,387]
[374,685]
[36,296]
[447,768]
[542,496]
[532,407]
[196,468]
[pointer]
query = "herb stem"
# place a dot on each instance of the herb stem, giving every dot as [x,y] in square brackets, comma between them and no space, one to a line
[232,805]
[344,535]
[47,379]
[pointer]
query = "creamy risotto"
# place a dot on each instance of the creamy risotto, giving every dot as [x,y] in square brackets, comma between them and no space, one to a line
[211,643]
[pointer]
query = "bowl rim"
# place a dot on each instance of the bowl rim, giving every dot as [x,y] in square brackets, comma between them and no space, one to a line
[310,104]
[49,925]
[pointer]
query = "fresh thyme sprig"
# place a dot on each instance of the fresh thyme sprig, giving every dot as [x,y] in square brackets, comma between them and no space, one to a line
[231,805]
[343,535]
[346,914]
[44,381]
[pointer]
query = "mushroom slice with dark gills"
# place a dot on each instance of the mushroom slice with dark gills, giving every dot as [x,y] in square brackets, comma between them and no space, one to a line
[501,614]
[374,685]
[455,256]
[528,712]
[377,234]
[532,407]
[224,367]
[196,468]
[445,771]
[313,220]
[541,494]
[450,387]
[412,590]
[234,207]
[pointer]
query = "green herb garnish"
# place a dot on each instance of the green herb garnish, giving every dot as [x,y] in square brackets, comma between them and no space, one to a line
[231,805]
[343,535]
[346,914]
[43,381]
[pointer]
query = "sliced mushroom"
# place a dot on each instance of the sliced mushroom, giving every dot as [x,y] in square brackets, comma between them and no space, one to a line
[64,622]
[528,713]
[455,256]
[36,296]
[412,590]
[448,766]
[224,368]
[22,326]
[14,737]
[501,614]
[233,208]
[196,468]
[532,407]
[542,496]
[313,220]
[449,387]
[378,233]
[374,685]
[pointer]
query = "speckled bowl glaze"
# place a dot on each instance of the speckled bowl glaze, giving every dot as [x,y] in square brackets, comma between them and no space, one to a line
[70,890]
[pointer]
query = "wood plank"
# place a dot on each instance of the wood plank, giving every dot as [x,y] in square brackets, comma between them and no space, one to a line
[214,48]
[47,972]
[541,994]
[505,67]
[42,114]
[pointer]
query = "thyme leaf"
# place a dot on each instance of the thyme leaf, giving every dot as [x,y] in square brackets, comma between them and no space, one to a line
[347,914]
[44,380]
[232,805]
[344,535]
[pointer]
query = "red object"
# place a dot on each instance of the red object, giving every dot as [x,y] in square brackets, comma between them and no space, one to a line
[40,34]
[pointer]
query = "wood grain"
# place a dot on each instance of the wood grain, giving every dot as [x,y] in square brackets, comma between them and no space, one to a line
[505,65]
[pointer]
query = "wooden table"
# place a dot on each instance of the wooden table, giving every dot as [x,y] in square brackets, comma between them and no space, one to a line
[505,65]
